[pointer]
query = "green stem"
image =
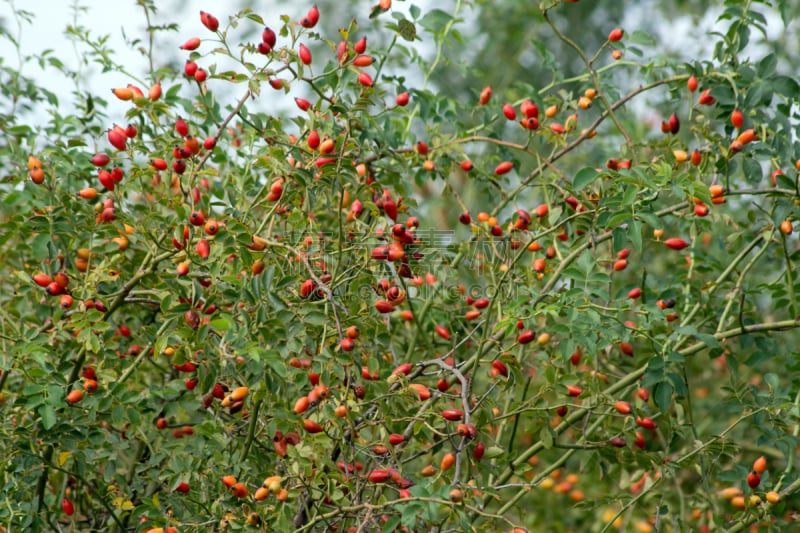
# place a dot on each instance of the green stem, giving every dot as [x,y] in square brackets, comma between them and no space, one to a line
[251,430]
[789,276]
[595,81]
[41,484]
[723,318]
[440,48]
[516,418]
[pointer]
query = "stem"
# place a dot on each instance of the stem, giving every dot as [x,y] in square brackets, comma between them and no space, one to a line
[516,418]
[42,483]
[595,82]
[440,47]
[740,281]
[251,430]
[220,130]
[789,276]
[150,33]
[717,283]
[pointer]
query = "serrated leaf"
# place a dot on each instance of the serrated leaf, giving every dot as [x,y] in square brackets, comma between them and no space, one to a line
[255,18]
[160,345]
[222,324]
[39,245]
[709,340]
[407,30]
[546,436]
[686,330]
[629,195]
[652,220]
[662,395]
[772,380]
[785,85]
[435,20]
[584,177]
[391,524]
[492,452]
[121,503]
[118,414]
[752,170]
[48,414]
[93,345]
[635,234]
[315,318]
[766,67]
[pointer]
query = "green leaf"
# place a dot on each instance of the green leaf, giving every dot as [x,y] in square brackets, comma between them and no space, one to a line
[744,36]
[686,330]
[20,131]
[222,324]
[392,523]
[766,67]
[55,395]
[435,20]
[616,219]
[787,11]
[635,234]
[772,380]
[407,30]
[39,245]
[678,384]
[315,318]
[675,357]
[493,452]
[584,177]
[760,93]
[118,414]
[256,18]
[785,85]
[650,219]
[48,414]
[93,344]
[585,262]
[662,395]
[546,436]
[752,170]
[628,196]
[709,340]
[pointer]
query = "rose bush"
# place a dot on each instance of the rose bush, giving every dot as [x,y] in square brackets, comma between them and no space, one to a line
[295,287]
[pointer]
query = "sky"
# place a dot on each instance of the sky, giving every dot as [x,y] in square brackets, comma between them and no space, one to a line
[50,18]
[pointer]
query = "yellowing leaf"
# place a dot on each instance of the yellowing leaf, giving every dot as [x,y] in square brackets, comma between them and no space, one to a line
[63,457]
[121,503]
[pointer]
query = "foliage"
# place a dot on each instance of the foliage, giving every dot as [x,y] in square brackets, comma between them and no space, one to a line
[399,306]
